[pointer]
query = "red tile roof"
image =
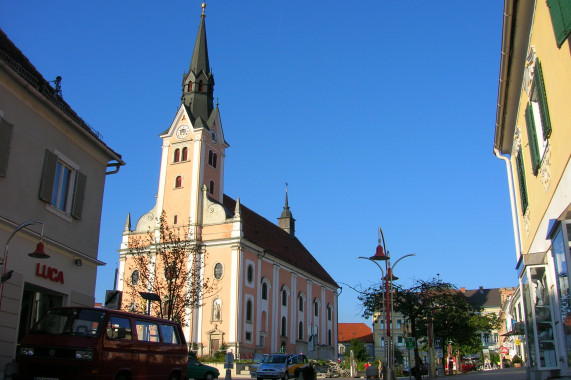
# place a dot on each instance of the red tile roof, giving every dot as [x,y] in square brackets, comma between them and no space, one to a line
[349,331]
[278,242]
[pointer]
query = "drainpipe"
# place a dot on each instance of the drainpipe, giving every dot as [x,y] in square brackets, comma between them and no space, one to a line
[512,201]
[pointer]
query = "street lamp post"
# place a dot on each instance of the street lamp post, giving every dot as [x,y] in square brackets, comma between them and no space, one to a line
[39,253]
[380,255]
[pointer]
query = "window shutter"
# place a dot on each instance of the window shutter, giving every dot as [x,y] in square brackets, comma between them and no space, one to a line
[48,174]
[538,81]
[521,181]
[78,195]
[5,138]
[560,11]
[532,137]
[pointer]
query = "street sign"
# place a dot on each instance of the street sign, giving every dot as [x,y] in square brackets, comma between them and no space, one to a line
[410,343]
[505,350]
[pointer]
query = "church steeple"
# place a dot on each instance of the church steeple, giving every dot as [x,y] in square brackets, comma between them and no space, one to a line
[198,83]
[286,221]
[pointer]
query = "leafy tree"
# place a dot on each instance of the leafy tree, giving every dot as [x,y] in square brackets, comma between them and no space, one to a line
[170,265]
[360,352]
[434,303]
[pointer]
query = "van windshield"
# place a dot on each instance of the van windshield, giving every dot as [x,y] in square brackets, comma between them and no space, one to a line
[70,321]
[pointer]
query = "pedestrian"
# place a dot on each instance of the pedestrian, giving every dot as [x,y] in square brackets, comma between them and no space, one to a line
[380,369]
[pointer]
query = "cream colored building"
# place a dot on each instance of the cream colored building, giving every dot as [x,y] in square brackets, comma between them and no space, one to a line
[273,295]
[52,172]
[532,134]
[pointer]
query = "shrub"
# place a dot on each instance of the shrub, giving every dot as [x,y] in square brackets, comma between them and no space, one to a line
[516,359]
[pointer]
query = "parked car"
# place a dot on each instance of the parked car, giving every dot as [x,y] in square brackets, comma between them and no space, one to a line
[197,370]
[94,343]
[281,366]
[256,361]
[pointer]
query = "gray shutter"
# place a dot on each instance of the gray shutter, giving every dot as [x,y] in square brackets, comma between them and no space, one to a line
[48,175]
[5,138]
[78,195]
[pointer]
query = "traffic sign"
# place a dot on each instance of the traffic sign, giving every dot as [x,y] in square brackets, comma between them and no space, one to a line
[410,343]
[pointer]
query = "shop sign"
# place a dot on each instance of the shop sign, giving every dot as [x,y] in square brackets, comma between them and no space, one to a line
[49,273]
[517,341]
[505,350]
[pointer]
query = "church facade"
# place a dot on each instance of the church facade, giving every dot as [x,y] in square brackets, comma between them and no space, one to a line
[270,293]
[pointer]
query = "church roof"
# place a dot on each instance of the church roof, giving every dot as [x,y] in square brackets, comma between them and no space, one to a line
[278,242]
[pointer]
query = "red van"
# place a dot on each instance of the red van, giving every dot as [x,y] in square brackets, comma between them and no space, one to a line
[91,343]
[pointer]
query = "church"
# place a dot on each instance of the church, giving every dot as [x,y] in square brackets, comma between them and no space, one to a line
[270,294]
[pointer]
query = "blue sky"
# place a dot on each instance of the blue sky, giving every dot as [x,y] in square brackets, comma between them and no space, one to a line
[376,113]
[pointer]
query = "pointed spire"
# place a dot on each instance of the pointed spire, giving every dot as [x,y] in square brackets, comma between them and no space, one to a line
[286,221]
[237,208]
[128,223]
[199,61]
[198,83]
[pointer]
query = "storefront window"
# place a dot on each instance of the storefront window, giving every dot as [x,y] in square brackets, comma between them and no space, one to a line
[539,318]
[526,292]
[559,248]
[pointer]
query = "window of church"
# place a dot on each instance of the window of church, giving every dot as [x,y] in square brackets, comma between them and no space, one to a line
[176,157]
[329,313]
[189,86]
[284,326]
[211,190]
[184,154]
[135,277]
[264,291]
[300,331]
[178,182]
[249,311]
[250,273]
[212,159]
[175,219]
[329,337]
[300,301]
[284,298]
[201,86]
[218,271]
[316,309]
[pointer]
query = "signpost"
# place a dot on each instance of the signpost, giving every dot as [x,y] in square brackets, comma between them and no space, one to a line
[410,345]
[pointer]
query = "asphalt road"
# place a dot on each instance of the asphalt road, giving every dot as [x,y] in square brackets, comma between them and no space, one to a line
[499,374]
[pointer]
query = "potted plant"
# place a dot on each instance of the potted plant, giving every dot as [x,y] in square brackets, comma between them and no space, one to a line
[516,361]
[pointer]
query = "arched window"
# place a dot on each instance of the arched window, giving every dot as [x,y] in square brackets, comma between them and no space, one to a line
[175,219]
[264,291]
[316,309]
[284,297]
[189,86]
[184,154]
[212,159]
[250,273]
[300,300]
[201,86]
[329,313]
[211,187]
[300,331]
[284,326]
[329,337]
[176,155]
[178,182]
[249,311]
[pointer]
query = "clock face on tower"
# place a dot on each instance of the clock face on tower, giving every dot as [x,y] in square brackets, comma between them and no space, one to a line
[182,131]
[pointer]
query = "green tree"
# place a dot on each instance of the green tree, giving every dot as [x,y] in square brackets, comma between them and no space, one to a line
[433,303]
[360,352]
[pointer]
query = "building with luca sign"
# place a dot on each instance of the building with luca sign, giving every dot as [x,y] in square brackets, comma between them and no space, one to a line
[532,134]
[269,294]
[53,168]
